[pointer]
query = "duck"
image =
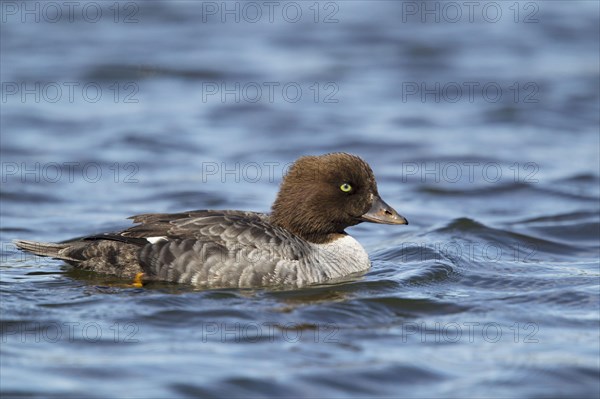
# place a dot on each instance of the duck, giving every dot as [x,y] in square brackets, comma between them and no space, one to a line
[301,242]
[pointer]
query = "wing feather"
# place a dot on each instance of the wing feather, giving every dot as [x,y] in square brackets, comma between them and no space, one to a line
[204,247]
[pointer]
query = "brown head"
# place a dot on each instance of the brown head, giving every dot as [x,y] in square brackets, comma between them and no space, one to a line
[322,195]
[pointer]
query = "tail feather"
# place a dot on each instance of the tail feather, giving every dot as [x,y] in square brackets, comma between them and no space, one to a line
[45,249]
[103,256]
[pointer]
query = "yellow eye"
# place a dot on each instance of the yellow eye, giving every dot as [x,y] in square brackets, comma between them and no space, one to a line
[346,187]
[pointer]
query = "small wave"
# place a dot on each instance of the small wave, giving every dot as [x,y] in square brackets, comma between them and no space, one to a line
[429,272]
[564,299]
[124,72]
[413,307]
[582,178]
[560,217]
[484,191]
[155,143]
[35,198]
[578,228]
[467,229]
[363,380]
